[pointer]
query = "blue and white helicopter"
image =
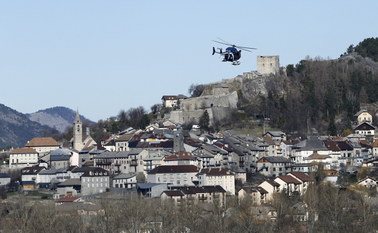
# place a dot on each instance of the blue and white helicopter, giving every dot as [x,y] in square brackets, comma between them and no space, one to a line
[232,53]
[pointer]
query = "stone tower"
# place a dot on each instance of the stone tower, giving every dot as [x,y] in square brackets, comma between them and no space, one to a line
[268,64]
[77,133]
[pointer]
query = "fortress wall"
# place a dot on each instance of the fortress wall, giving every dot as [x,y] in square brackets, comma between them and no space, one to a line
[215,114]
[204,102]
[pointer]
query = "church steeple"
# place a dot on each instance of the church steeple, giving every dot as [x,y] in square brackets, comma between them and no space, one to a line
[77,133]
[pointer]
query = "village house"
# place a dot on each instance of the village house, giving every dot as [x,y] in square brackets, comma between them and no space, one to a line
[326,160]
[271,187]
[151,190]
[43,145]
[95,181]
[304,178]
[198,195]
[23,157]
[219,155]
[60,158]
[175,175]
[276,135]
[307,147]
[365,129]
[257,195]
[68,188]
[217,176]
[363,116]
[289,184]
[153,158]
[180,158]
[126,181]
[121,143]
[169,101]
[29,177]
[273,166]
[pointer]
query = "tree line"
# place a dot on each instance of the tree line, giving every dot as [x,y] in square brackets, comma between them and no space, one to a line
[323,208]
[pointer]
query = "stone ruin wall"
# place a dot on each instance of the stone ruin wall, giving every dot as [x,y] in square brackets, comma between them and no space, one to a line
[268,64]
[218,107]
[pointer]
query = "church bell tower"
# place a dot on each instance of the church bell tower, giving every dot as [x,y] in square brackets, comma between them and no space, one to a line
[77,133]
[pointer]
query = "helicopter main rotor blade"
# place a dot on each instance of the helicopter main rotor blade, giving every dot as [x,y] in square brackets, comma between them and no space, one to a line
[218,38]
[242,47]
[222,43]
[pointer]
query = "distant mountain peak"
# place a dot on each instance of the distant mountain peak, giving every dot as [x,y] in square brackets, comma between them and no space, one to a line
[58,117]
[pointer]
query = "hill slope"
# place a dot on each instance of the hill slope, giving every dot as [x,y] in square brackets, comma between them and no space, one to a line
[16,128]
[58,118]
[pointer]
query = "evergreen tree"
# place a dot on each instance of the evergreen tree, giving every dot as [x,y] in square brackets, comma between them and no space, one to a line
[204,121]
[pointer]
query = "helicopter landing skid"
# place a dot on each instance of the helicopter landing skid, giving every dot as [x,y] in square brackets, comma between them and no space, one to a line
[236,63]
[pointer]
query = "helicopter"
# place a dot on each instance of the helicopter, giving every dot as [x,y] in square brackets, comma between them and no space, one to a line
[231,54]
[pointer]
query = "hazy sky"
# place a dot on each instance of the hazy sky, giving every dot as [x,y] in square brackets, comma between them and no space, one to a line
[105,56]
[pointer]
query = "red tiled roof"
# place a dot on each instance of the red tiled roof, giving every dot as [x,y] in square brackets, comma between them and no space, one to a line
[289,179]
[177,156]
[43,141]
[24,150]
[301,176]
[273,183]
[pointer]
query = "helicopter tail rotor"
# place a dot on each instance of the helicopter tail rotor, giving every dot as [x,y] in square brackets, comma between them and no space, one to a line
[213,51]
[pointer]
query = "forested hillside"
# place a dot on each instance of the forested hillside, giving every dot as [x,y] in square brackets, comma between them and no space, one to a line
[321,94]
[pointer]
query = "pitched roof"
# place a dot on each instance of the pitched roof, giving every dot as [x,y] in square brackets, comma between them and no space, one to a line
[124,176]
[31,170]
[23,150]
[60,152]
[255,189]
[124,137]
[343,145]
[42,141]
[179,157]
[172,193]
[311,143]
[59,157]
[216,172]
[289,179]
[315,155]
[169,97]
[273,183]
[364,126]
[304,177]
[273,159]
[174,169]
[202,189]
[95,171]
[70,182]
